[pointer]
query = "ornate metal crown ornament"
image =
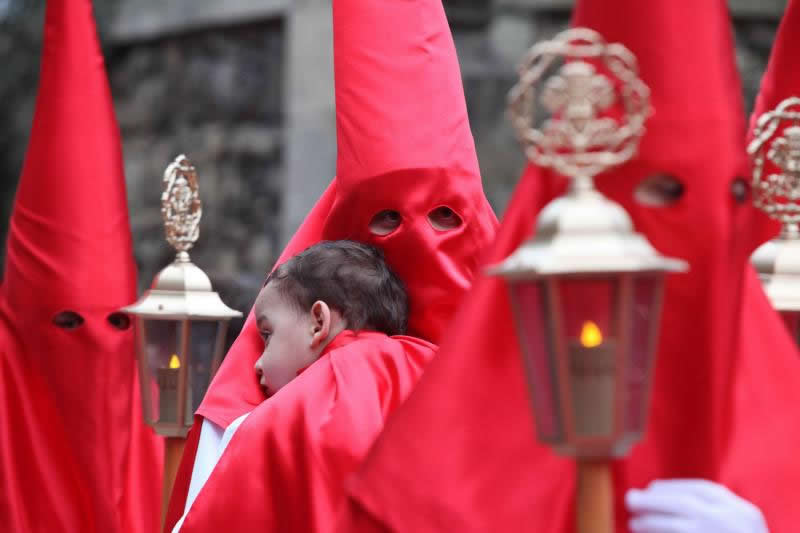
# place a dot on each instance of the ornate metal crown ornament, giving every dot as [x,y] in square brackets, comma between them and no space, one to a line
[592,108]
[586,132]
[776,144]
[181,208]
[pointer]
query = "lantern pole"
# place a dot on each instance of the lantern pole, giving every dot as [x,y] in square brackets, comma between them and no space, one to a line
[173,453]
[775,150]
[595,497]
[597,107]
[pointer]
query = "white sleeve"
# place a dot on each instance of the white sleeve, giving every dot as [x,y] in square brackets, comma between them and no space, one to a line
[228,435]
[204,462]
[213,441]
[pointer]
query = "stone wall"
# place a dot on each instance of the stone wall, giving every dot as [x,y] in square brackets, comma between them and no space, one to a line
[246,93]
[20,35]
[216,97]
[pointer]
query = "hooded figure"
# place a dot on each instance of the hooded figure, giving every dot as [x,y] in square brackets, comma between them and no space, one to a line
[408,182]
[461,453]
[759,460]
[75,454]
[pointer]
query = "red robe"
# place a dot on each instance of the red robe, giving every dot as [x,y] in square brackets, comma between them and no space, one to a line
[404,144]
[461,453]
[75,454]
[284,467]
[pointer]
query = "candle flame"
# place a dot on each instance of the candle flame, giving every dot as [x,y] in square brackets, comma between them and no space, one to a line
[591,335]
[174,361]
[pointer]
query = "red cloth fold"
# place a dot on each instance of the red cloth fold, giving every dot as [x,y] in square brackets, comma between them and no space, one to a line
[283,470]
[76,455]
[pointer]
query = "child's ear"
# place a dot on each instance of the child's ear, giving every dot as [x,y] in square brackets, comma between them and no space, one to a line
[321,323]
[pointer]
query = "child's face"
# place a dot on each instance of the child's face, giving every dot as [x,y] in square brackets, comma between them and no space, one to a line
[289,339]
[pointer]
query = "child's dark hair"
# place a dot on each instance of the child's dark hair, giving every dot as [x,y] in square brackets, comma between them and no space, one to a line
[352,278]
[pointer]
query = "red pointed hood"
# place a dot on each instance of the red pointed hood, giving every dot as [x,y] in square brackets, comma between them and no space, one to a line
[461,454]
[69,234]
[782,77]
[69,249]
[404,146]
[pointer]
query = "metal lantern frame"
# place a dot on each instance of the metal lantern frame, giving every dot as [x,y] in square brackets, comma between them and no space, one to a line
[181,295]
[584,237]
[598,106]
[580,237]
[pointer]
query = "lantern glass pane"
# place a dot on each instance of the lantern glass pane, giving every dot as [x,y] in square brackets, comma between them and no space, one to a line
[644,328]
[203,339]
[530,312]
[162,358]
[590,337]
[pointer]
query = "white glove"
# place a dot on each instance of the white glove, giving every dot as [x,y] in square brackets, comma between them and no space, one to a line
[691,506]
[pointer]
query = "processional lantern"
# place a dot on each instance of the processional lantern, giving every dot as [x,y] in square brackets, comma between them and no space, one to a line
[181,323]
[775,150]
[586,289]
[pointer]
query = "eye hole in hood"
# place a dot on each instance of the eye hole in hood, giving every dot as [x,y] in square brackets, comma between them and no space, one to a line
[68,320]
[119,321]
[385,222]
[740,190]
[443,218]
[659,190]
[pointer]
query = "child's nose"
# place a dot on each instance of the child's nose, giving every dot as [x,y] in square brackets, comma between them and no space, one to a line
[257,368]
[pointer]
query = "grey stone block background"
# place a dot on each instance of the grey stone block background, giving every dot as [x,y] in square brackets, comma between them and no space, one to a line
[245,89]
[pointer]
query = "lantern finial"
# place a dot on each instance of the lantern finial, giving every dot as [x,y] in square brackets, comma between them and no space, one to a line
[776,142]
[583,136]
[597,109]
[181,208]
